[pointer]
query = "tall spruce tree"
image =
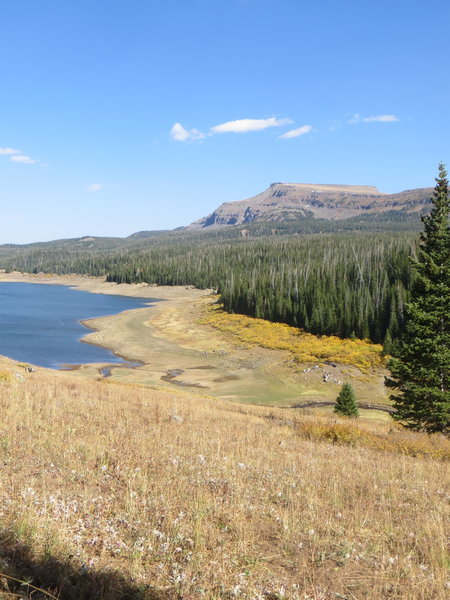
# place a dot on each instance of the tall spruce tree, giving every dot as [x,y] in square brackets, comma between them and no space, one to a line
[420,367]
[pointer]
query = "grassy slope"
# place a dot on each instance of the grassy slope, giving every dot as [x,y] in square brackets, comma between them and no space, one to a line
[118,491]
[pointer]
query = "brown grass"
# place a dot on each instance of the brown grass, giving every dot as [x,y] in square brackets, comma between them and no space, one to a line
[114,491]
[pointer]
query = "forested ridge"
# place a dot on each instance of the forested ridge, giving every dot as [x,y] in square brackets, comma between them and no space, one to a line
[345,284]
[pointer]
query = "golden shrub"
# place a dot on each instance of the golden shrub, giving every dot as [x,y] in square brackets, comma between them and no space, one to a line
[304,346]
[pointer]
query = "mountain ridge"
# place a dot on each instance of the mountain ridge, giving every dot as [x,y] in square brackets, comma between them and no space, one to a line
[292,201]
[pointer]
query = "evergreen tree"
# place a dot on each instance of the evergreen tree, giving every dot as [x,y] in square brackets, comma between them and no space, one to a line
[346,402]
[420,367]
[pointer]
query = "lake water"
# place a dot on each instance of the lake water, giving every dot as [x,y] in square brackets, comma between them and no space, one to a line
[40,323]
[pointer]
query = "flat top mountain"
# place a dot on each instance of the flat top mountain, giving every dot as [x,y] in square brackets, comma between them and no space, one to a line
[294,201]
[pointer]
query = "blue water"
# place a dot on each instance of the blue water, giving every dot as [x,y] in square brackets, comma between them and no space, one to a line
[40,324]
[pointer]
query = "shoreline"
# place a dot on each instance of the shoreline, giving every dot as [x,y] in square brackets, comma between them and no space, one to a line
[95,285]
[168,337]
[112,332]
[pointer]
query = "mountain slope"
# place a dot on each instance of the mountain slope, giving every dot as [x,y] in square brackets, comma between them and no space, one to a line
[293,201]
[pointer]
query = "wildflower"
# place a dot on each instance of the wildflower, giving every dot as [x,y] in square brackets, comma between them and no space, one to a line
[158,534]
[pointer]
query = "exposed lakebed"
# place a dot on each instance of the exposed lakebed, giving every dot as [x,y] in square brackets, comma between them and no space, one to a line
[41,324]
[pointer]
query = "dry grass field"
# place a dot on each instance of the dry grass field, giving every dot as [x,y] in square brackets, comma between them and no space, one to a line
[118,491]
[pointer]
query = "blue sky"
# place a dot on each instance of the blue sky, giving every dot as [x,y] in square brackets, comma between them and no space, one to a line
[121,116]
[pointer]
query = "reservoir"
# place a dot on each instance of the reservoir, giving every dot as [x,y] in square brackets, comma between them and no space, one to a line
[40,323]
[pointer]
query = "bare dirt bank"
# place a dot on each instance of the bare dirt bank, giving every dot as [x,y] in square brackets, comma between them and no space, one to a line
[98,285]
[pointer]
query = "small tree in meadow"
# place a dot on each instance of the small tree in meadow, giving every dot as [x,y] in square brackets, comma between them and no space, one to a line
[346,402]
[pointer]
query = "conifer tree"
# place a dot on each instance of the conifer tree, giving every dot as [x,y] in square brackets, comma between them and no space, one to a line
[420,367]
[346,402]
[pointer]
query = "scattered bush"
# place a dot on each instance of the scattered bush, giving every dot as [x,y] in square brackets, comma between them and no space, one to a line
[5,376]
[394,440]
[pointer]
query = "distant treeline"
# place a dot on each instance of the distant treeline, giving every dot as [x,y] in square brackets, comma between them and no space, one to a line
[346,284]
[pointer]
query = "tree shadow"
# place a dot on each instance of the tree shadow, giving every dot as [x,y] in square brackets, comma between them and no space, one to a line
[22,576]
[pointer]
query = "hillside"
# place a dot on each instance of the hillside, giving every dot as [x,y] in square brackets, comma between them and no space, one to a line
[293,201]
[113,491]
[282,209]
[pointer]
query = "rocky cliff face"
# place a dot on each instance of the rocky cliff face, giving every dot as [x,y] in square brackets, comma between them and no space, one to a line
[292,201]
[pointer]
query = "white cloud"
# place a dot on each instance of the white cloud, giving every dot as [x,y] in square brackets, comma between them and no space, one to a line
[355,119]
[245,125]
[9,151]
[95,187]
[17,156]
[180,134]
[293,133]
[372,119]
[21,158]
[381,119]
